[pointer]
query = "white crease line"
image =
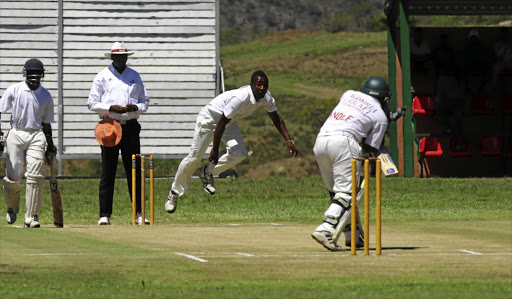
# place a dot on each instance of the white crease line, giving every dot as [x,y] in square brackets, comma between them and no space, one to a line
[51,254]
[471,252]
[192,257]
[245,254]
[255,224]
[341,254]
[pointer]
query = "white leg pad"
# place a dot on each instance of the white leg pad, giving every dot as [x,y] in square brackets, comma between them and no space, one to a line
[12,192]
[335,214]
[346,219]
[33,200]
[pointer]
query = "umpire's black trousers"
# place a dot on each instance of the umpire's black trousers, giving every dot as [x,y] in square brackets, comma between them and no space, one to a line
[129,145]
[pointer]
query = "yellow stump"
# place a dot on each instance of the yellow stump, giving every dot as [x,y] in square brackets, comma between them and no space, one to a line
[366,186]
[353,220]
[134,190]
[142,190]
[378,248]
[366,207]
[152,191]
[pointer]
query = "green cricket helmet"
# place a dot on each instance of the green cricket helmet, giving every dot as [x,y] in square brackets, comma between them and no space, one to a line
[376,87]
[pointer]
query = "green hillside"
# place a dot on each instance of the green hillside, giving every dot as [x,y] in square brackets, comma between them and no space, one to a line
[308,72]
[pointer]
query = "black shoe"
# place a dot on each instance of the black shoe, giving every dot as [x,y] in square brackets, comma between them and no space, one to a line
[207,178]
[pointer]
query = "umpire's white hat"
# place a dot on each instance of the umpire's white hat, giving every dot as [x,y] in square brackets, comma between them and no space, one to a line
[118,48]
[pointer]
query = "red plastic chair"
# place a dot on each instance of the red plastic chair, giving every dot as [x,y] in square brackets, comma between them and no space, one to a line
[423,105]
[490,146]
[506,105]
[481,105]
[454,153]
[430,147]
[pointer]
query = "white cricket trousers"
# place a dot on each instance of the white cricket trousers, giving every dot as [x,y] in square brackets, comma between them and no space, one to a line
[334,154]
[23,145]
[203,136]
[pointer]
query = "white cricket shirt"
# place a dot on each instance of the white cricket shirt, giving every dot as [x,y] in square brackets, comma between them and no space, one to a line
[112,88]
[360,115]
[30,108]
[240,103]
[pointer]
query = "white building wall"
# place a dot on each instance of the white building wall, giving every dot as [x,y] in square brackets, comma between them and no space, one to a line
[176,54]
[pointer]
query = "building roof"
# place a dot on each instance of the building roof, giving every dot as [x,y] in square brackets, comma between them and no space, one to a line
[455,7]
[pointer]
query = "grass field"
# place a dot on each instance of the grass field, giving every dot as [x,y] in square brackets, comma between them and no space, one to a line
[442,238]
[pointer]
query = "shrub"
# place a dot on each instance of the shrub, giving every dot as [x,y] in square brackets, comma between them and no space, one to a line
[337,22]
[376,23]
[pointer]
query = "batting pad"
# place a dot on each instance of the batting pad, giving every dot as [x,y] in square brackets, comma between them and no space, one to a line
[12,192]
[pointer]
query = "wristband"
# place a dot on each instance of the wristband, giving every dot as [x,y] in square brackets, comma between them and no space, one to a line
[293,143]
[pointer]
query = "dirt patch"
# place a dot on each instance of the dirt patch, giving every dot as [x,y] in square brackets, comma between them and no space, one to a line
[13,269]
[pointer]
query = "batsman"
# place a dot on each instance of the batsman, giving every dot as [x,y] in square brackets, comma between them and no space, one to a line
[357,123]
[29,141]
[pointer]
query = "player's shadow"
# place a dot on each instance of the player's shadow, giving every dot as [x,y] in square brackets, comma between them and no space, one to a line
[396,248]
[391,248]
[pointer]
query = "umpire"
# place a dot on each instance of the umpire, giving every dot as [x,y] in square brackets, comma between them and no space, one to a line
[118,95]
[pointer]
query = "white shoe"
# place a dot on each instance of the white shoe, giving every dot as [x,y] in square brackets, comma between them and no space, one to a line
[139,220]
[10,216]
[32,222]
[325,238]
[207,178]
[171,202]
[104,221]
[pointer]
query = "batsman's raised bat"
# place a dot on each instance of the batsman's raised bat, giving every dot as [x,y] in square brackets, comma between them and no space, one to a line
[388,166]
[58,216]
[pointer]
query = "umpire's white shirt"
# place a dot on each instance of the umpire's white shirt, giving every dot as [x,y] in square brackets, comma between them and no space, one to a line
[240,103]
[112,88]
[360,115]
[30,108]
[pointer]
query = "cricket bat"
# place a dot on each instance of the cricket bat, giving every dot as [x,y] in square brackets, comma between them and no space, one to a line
[387,165]
[58,216]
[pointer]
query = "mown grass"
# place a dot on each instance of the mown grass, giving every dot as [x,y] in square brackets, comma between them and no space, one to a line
[122,261]
[302,199]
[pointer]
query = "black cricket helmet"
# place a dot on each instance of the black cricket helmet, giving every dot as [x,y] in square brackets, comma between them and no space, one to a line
[377,87]
[33,70]
[33,65]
